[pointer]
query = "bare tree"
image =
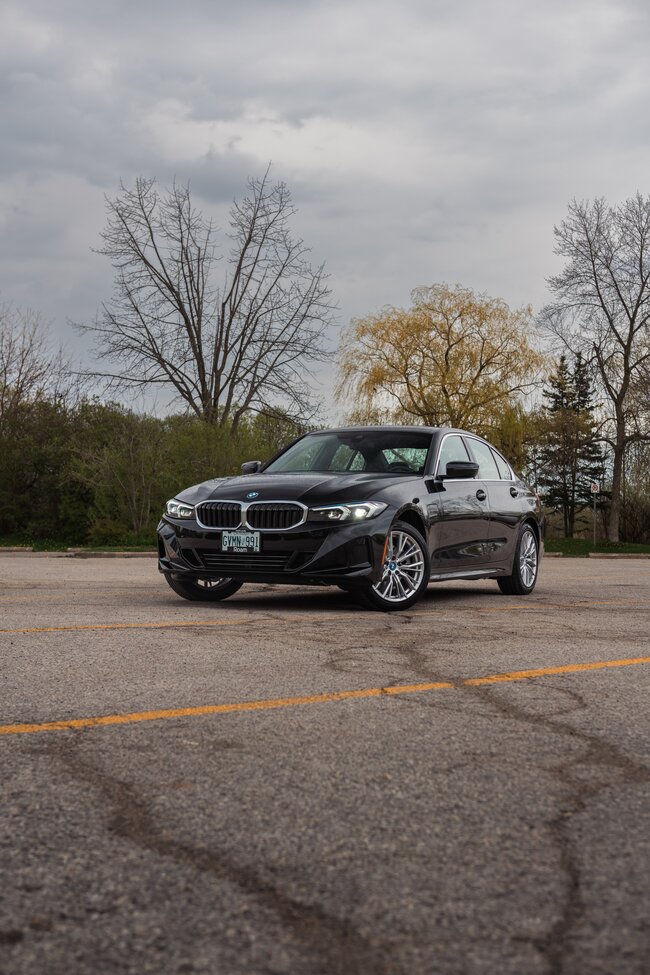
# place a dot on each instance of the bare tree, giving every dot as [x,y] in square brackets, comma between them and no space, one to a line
[246,344]
[602,310]
[29,368]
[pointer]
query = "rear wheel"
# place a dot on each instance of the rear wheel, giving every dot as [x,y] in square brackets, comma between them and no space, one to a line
[203,590]
[406,571]
[525,566]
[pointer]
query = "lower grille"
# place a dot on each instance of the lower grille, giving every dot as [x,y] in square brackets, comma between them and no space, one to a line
[237,562]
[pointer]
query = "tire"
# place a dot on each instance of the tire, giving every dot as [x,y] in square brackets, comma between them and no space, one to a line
[203,590]
[407,571]
[525,566]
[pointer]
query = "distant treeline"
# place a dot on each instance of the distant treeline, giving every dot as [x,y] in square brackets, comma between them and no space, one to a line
[90,473]
[97,474]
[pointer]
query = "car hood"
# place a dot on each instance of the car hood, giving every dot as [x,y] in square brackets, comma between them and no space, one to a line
[309,489]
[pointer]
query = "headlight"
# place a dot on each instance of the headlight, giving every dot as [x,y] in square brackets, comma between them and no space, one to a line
[347,512]
[179,509]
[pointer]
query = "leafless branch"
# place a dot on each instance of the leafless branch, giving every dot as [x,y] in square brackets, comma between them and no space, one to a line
[247,343]
[601,309]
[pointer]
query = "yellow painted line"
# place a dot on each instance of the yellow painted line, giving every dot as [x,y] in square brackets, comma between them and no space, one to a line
[270,704]
[539,604]
[264,705]
[530,607]
[553,671]
[42,595]
[131,626]
[174,624]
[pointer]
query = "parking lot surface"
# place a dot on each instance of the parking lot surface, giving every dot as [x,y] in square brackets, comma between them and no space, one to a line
[285,783]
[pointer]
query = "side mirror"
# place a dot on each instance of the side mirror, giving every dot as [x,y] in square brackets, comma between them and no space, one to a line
[251,467]
[461,468]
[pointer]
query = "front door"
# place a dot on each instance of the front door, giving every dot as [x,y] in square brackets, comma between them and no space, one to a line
[460,534]
[504,499]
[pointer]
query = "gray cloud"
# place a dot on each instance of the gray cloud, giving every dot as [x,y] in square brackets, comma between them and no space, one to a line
[423,141]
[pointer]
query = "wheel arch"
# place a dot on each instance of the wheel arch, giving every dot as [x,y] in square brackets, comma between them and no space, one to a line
[536,529]
[413,518]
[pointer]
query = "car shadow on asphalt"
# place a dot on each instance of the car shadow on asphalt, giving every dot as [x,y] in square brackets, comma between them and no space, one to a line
[325,600]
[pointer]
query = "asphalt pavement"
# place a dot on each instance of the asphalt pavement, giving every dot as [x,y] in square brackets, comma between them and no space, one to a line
[285,783]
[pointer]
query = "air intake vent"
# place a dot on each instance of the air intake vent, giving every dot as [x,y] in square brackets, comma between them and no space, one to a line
[262,562]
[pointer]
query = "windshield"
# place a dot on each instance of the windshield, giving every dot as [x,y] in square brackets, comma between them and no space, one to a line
[376,451]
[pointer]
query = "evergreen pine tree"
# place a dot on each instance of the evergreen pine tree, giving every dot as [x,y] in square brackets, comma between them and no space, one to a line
[570,456]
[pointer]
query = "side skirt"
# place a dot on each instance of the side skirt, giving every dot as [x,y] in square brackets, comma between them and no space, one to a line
[472,574]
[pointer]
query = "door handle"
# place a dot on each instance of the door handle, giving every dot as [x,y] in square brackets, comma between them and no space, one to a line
[481,495]
[514,492]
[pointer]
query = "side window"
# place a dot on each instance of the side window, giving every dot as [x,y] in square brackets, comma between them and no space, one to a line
[504,470]
[453,448]
[487,467]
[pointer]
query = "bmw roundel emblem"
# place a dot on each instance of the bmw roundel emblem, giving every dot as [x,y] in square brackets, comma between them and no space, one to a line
[252,494]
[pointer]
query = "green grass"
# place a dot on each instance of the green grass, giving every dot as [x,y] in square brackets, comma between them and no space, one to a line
[115,548]
[577,547]
[60,545]
[42,545]
[580,547]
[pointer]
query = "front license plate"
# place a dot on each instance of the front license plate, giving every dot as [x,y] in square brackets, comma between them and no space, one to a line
[244,542]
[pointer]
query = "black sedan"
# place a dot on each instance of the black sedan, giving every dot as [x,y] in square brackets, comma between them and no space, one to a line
[379,511]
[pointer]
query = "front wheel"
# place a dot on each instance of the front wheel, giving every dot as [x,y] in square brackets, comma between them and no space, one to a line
[525,566]
[203,590]
[406,571]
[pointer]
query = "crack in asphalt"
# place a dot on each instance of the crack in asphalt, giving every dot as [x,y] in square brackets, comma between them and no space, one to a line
[601,755]
[338,948]
[416,661]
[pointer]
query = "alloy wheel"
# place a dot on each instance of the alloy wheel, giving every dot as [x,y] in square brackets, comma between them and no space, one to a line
[528,559]
[211,583]
[403,568]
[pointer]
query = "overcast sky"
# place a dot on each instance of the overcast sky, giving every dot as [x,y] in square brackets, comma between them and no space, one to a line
[422,141]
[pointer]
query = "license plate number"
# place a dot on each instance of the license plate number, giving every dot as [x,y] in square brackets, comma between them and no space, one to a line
[241,542]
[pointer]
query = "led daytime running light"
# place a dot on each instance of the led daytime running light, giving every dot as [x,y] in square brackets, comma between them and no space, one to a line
[179,509]
[355,511]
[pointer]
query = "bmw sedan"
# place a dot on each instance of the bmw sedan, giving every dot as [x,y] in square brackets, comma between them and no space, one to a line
[378,511]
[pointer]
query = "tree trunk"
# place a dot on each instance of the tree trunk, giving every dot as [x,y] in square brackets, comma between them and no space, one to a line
[572,497]
[613,528]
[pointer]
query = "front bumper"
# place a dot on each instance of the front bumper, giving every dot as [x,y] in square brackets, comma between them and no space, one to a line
[327,555]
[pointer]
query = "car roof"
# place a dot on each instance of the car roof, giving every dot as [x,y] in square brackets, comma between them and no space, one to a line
[395,428]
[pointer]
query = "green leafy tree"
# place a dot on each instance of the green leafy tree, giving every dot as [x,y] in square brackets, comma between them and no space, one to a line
[122,459]
[570,456]
[74,470]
